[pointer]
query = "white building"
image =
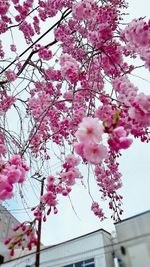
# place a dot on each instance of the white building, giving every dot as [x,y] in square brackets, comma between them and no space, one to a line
[90,250]
[130,248]
[133,241]
[7,222]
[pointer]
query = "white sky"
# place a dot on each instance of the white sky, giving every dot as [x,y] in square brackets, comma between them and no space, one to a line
[134,165]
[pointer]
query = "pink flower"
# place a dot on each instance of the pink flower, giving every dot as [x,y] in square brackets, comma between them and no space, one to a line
[15,160]
[22,175]
[69,68]
[84,10]
[95,153]
[140,110]
[11,172]
[13,175]
[89,130]
[49,198]
[125,142]
[6,195]
[119,139]
[4,184]
[13,48]
[72,160]
[4,6]
[78,147]
[119,132]
[45,53]
[11,76]
[68,177]
[97,210]
[3,149]
[50,179]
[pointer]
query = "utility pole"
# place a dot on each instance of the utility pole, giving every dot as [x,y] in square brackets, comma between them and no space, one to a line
[37,259]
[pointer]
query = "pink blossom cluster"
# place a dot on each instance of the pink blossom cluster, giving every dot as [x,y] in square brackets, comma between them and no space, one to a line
[44,53]
[106,112]
[47,113]
[108,177]
[3,148]
[119,139]
[72,91]
[89,135]
[137,37]
[49,8]
[94,79]
[13,47]
[36,24]
[71,172]
[140,110]
[6,101]
[63,184]
[69,68]
[24,237]
[50,197]
[109,181]
[27,30]
[3,26]
[4,6]
[23,9]
[79,106]
[113,53]
[127,91]
[20,13]
[97,211]
[11,76]
[52,75]
[63,33]
[11,172]
[84,9]
[106,21]
[38,106]
[1,50]
[137,104]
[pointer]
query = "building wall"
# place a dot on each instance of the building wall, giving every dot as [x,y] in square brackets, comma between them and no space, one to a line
[79,249]
[134,240]
[7,222]
[108,248]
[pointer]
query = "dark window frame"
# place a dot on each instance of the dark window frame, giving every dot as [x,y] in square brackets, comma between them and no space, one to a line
[84,263]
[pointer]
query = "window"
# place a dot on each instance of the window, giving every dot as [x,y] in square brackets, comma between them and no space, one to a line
[79,264]
[85,263]
[89,263]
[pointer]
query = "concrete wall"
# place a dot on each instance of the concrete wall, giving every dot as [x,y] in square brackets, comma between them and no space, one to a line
[7,222]
[108,249]
[134,240]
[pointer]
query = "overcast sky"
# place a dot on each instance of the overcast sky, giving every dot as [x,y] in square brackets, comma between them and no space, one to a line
[134,165]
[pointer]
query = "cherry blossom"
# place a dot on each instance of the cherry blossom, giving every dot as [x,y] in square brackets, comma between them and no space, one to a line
[95,153]
[11,76]
[66,78]
[89,130]
[69,68]
[119,139]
